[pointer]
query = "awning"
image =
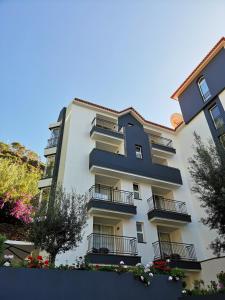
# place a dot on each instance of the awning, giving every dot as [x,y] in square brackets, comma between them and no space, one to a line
[20,249]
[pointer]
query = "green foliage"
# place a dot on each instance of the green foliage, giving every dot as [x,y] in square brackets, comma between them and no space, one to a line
[177,273]
[2,241]
[58,227]
[207,169]
[17,180]
[20,170]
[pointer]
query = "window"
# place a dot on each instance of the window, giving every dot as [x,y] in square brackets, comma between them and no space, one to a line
[222,140]
[138,150]
[130,124]
[140,232]
[204,90]
[216,117]
[136,191]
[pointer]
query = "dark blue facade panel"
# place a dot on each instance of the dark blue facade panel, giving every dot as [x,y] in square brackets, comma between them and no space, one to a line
[191,102]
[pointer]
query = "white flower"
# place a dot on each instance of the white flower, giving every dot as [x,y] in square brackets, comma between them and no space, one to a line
[184,292]
[170,278]
[147,266]
[151,274]
[6,256]
[142,278]
[168,260]
[138,264]
[10,256]
[147,270]
[122,262]
[177,278]
[7,264]
[150,263]
[125,267]
[148,283]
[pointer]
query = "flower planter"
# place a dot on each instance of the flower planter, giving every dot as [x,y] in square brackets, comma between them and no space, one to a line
[36,284]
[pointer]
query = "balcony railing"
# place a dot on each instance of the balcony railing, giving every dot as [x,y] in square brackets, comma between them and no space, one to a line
[105,124]
[48,172]
[174,251]
[52,142]
[101,192]
[160,203]
[112,244]
[155,139]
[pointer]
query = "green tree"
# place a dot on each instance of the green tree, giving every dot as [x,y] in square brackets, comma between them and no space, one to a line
[207,169]
[57,225]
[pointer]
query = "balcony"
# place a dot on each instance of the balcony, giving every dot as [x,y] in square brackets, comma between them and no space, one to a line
[161,145]
[121,166]
[106,131]
[180,255]
[104,199]
[51,146]
[111,249]
[162,210]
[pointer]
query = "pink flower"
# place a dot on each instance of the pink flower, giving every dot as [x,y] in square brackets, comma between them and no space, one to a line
[22,211]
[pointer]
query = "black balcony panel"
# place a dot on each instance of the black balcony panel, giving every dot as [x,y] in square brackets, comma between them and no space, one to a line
[135,166]
[160,207]
[162,143]
[107,198]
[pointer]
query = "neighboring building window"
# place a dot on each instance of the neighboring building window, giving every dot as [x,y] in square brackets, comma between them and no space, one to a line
[138,150]
[204,90]
[216,117]
[222,140]
[136,191]
[140,232]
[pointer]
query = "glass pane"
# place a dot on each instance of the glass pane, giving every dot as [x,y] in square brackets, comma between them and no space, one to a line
[140,237]
[139,227]
[135,187]
[204,89]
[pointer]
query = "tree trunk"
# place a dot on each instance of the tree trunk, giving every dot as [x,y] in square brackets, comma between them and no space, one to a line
[52,258]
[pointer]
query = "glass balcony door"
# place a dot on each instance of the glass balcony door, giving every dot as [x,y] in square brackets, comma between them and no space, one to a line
[103,237]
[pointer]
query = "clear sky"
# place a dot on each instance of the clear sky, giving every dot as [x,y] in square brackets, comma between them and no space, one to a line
[116,53]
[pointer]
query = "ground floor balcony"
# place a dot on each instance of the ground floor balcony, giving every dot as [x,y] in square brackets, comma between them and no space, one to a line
[180,255]
[104,199]
[166,211]
[111,249]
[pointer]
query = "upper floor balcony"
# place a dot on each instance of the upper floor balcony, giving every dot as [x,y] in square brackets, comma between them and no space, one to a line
[161,145]
[113,164]
[104,199]
[162,210]
[111,249]
[51,146]
[181,255]
[104,130]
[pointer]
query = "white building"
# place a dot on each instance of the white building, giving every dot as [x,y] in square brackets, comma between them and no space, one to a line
[141,207]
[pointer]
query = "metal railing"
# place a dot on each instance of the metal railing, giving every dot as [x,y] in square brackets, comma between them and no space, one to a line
[48,173]
[155,139]
[161,203]
[52,142]
[105,124]
[174,251]
[101,192]
[112,244]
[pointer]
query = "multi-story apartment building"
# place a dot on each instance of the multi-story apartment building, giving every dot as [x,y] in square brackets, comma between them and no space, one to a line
[135,173]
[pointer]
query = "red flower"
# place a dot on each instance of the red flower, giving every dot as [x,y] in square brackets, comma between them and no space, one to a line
[39,257]
[97,267]
[30,257]
[46,262]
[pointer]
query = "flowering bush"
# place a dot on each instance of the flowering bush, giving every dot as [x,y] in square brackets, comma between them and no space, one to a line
[22,211]
[36,262]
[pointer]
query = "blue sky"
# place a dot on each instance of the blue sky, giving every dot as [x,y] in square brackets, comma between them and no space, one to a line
[117,53]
